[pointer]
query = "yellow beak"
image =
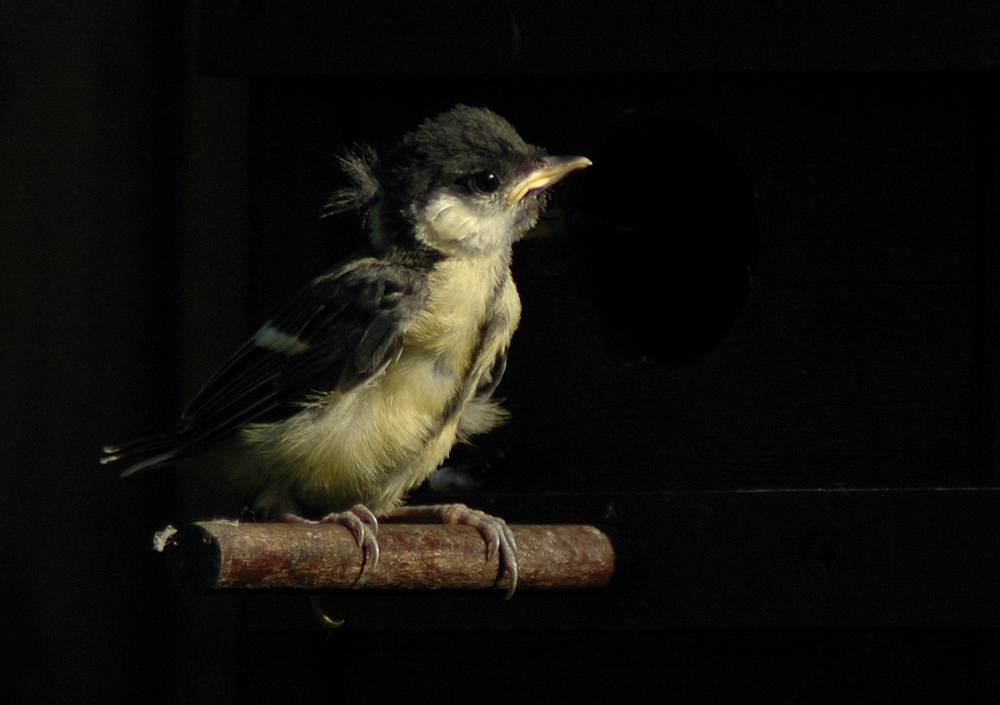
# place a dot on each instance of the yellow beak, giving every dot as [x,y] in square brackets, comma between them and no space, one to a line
[552,171]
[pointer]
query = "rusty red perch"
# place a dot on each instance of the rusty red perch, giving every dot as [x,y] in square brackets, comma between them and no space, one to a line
[221,555]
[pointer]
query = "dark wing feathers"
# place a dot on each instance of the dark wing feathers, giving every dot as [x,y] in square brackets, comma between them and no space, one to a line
[351,323]
[342,329]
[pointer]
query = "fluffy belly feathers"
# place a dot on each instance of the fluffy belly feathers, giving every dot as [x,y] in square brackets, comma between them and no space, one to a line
[374,443]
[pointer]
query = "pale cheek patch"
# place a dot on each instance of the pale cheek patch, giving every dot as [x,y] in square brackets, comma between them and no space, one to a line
[449,220]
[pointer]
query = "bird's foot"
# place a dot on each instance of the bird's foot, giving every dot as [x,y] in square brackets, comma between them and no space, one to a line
[362,524]
[494,530]
[360,521]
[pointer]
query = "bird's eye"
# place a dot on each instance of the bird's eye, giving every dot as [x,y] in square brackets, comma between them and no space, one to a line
[484,182]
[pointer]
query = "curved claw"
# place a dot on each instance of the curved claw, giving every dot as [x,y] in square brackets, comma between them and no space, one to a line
[495,532]
[360,521]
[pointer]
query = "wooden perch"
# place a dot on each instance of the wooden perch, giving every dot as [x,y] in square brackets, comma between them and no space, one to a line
[219,555]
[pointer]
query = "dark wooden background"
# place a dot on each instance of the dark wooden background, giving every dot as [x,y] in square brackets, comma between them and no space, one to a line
[781,272]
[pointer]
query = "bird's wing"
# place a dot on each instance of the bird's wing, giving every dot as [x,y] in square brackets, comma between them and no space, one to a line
[342,329]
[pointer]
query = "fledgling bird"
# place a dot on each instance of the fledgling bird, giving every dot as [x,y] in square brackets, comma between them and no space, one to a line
[358,389]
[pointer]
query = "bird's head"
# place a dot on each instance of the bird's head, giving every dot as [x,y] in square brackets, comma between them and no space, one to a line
[464,183]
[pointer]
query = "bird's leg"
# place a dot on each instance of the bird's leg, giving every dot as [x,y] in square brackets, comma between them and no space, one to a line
[362,524]
[494,530]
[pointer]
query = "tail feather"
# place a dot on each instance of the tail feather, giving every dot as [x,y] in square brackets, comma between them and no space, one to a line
[142,453]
